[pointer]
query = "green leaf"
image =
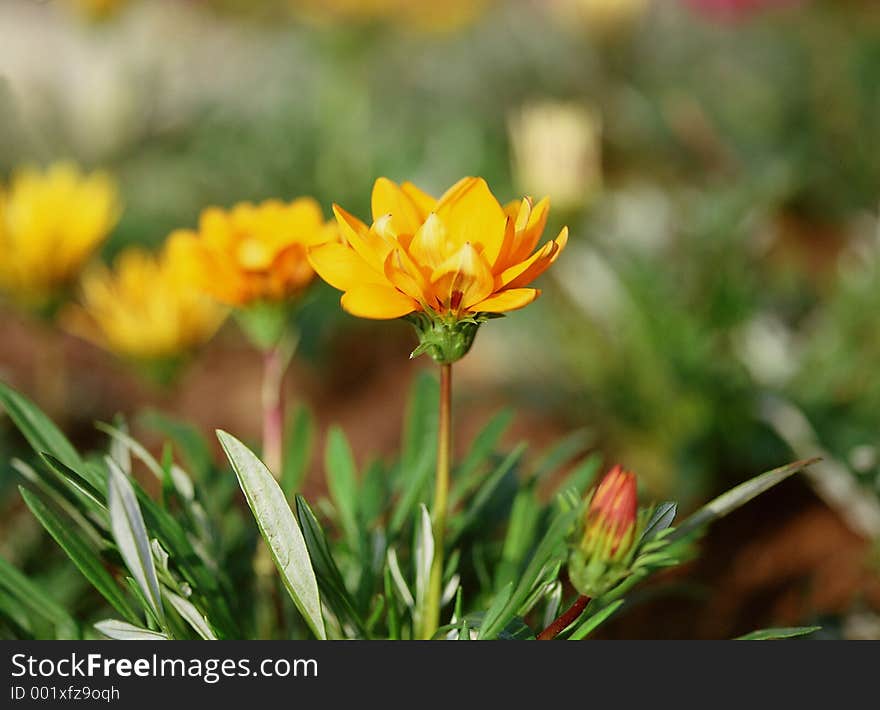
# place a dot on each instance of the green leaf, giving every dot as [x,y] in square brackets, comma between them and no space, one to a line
[521,529]
[735,497]
[593,622]
[130,533]
[562,452]
[298,441]
[330,582]
[342,481]
[191,615]
[193,449]
[121,631]
[661,518]
[40,432]
[548,552]
[583,475]
[183,485]
[31,596]
[424,557]
[80,488]
[420,422]
[64,503]
[483,446]
[416,479]
[481,498]
[279,529]
[81,554]
[396,575]
[779,633]
[498,605]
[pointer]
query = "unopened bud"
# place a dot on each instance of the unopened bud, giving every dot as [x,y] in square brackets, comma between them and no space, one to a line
[610,527]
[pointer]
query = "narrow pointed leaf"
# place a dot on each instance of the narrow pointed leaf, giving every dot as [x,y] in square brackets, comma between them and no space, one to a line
[593,622]
[330,582]
[122,631]
[80,554]
[779,633]
[342,481]
[735,497]
[40,432]
[130,534]
[32,596]
[298,441]
[191,615]
[279,529]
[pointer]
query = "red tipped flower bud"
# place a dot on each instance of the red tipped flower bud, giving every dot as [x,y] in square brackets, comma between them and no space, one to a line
[610,531]
[614,510]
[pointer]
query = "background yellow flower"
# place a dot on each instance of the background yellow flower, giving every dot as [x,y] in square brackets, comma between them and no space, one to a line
[253,252]
[50,223]
[457,256]
[146,308]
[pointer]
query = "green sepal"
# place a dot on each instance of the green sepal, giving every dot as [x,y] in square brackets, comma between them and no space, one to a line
[265,323]
[444,336]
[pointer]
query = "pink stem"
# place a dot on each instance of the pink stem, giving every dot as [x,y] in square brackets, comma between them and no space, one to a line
[273,409]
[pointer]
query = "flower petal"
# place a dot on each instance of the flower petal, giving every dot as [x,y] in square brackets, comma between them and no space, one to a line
[342,267]
[545,253]
[463,279]
[423,201]
[509,300]
[470,213]
[364,241]
[529,228]
[405,275]
[536,267]
[390,199]
[428,246]
[377,302]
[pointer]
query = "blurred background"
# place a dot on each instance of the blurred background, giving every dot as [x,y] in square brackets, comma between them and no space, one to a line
[714,315]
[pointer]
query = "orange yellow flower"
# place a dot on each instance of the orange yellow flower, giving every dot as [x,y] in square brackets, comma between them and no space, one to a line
[96,9]
[457,257]
[255,253]
[50,224]
[146,308]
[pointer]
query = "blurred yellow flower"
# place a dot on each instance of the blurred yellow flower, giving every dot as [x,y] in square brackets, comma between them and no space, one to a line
[557,150]
[95,9]
[50,223]
[599,17]
[455,257]
[146,308]
[254,253]
[425,15]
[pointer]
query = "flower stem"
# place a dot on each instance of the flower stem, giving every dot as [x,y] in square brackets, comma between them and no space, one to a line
[273,410]
[275,362]
[431,620]
[562,622]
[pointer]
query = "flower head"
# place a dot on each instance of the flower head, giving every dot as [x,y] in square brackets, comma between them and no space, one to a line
[425,15]
[255,253]
[146,308]
[599,18]
[451,259]
[447,262]
[610,532]
[50,224]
